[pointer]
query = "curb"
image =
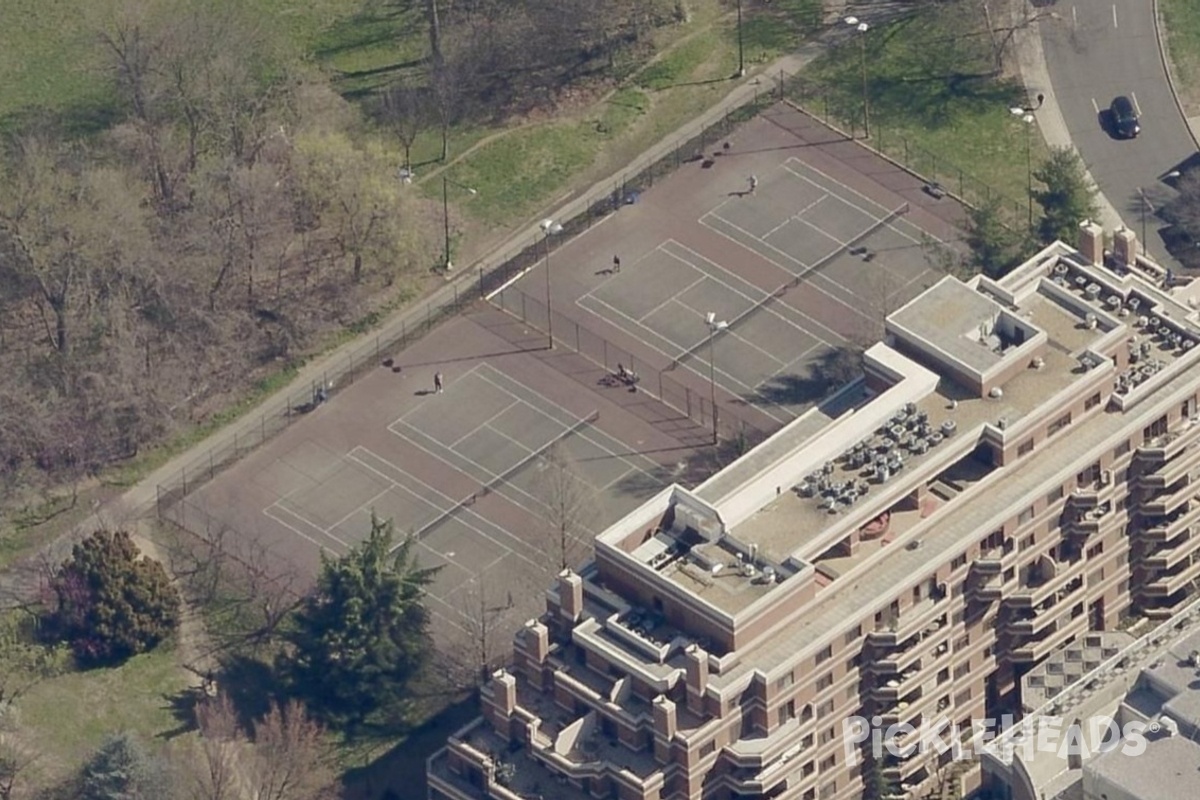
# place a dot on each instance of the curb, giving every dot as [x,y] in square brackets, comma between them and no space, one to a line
[1166,64]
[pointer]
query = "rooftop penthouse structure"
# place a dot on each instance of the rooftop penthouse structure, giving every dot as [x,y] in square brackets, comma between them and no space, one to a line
[1017,468]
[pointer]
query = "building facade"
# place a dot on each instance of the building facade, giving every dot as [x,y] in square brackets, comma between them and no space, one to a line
[1017,468]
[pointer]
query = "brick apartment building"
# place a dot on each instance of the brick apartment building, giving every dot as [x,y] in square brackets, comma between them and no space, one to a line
[1015,469]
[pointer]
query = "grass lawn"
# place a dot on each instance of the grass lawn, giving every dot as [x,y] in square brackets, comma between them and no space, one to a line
[1182,21]
[51,58]
[934,104]
[68,716]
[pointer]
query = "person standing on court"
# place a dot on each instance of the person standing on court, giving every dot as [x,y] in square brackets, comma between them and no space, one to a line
[616,264]
[437,382]
[753,183]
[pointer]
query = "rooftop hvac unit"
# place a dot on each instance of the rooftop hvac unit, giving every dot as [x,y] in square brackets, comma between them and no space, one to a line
[1194,658]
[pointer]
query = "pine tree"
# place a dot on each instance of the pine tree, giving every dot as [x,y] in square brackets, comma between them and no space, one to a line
[361,636]
[110,603]
[1068,199]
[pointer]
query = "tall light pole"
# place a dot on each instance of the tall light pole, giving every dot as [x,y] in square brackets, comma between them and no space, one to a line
[1026,115]
[549,227]
[741,49]
[714,326]
[862,29]
[446,214]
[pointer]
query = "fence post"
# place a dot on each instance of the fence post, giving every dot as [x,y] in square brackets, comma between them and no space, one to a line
[376,347]
[211,472]
[781,84]
[605,353]
[577,349]
[960,183]
[482,294]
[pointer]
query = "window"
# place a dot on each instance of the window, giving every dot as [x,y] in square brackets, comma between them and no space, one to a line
[808,769]
[1025,448]
[1155,429]
[828,762]
[959,561]
[1188,409]
[1091,402]
[851,692]
[708,748]
[828,790]
[943,675]
[1054,496]
[963,642]
[993,540]
[961,670]
[853,634]
[987,651]
[787,680]
[1123,558]
[787,711]
[854,663]
[963,697]
[1089,476]
[1027,542]
[825,681]
[826,736]
[825,654]
[1095,550]
[825,709]
[1121,449]
[1025,516]
[1059,424]
[1123,587]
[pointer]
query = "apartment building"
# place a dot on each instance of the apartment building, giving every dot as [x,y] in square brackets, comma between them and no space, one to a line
[1017,468]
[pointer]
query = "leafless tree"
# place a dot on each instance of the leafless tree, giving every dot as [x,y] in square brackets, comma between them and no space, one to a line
[291,756]
[570,506]
[404,111]
[484,626]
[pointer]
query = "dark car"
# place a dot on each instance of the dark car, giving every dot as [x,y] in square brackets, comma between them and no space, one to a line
[1125,118]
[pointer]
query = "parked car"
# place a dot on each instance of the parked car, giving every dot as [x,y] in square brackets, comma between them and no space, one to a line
[1124,118]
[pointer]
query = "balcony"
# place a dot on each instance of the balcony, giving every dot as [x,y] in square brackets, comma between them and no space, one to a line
[1172,499]
[758,752]
[1171,552]
[1090,495]
[1046,579]
[1170,444]
[905,708]
[1170,471]
[1163,527]
[895,685]
[926,647]
[1050,639]
[988,589]
[996,560]
[1172,580]
[927,614]
[1094,519]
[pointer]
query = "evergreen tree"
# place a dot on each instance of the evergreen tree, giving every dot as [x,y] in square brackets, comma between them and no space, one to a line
[996,247]
[121,769]
[361,635]
[110,602]
[1069,197]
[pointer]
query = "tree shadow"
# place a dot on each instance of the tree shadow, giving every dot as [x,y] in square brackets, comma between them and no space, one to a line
[182,706]
[790,390]
[251,685]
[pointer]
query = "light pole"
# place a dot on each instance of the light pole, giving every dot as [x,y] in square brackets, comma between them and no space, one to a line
[1026,115]
[862,29]
[741,49]
[549,227]
[446,214]
[714,326]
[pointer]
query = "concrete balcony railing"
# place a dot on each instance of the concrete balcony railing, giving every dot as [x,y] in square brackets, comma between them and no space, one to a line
[1170,581]
[758,752]
[1172,551]
[913,621]
[1049,640]
[1161,528]
[1169,501]
[1032,595]
[894,685]
[1170,444]
[1185,464]
[926,649]
[1095,493]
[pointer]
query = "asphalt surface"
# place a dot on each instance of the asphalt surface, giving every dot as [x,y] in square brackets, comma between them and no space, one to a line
[1096,50]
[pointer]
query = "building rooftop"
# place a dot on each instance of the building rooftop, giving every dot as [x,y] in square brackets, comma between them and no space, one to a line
[957,320]
[1168,769]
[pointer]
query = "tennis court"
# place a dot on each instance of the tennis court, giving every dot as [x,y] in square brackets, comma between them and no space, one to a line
[788,272]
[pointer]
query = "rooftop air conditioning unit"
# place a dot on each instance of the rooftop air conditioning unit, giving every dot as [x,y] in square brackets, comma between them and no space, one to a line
[1169,726]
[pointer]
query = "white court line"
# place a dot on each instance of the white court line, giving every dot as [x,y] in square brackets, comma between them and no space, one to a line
[747,247]
[800,358]
[886,211]
[789,257]
[1115,25]
[831,280]
[267,512]
[632,321]
[528,450]
[361,507]
[808,207]
[568,413]
[440,511]
[485,423]
[874,219]
[659,307]
[803,328]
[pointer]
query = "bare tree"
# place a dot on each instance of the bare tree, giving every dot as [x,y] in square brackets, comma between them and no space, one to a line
[215,773]
[18,762]
[291,757]
[404,110]
[485,624]
[570,506]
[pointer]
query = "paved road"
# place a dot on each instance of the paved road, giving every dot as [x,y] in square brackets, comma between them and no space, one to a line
[1096,50]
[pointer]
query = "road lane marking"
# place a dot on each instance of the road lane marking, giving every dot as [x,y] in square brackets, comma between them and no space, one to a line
[1074,17]
[1096,106]
[1115,25]
[1137,107]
